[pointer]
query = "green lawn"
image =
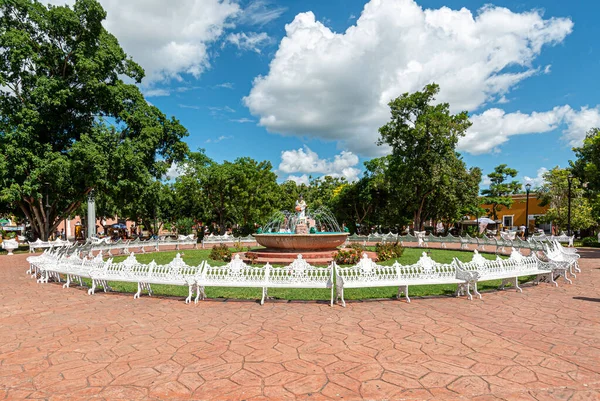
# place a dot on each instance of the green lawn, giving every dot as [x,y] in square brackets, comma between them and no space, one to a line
[410,256]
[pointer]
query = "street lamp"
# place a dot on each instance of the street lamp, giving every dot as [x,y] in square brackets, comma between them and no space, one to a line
[47,206]
[527,189]
[569,180]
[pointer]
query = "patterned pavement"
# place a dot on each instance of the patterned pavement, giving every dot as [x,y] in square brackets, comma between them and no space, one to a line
[543,344]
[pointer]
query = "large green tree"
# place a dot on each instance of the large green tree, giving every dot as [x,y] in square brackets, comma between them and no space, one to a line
[555,194]
[587,169]
[423,136]
[242,192]
[61,83]
[500,190]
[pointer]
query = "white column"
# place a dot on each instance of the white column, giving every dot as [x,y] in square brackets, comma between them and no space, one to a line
[68,229]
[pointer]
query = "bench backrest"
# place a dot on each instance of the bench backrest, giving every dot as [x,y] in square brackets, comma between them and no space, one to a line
[234,272]
[299,272]
[366,271]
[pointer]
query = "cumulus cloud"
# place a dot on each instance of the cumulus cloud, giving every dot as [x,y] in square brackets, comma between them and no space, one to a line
[174,171]
[494,127]
[299,179]
[336,86]
[304,160]
[168,39]
[536,181]
[579,122]
[251,41]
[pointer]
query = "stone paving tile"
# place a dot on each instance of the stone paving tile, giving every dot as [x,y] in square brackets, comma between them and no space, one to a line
[542,344]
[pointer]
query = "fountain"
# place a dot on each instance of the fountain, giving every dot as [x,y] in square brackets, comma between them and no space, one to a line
[313,233]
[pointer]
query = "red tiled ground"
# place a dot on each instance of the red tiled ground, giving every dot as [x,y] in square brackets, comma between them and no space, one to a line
[543,344]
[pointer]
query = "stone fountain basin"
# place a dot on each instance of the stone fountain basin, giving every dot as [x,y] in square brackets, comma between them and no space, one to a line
[296,242]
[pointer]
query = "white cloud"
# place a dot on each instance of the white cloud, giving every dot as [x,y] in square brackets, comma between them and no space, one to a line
[486,181]
[494,127]
[219,139]
[215,109]
[579,122]
[336,86]
[260,12]
[174,171]
[156,92]
[535,181]
[304,160]
[251,41]
[225,85]
[299,179]
[242,120]
[168,39]
[187,106]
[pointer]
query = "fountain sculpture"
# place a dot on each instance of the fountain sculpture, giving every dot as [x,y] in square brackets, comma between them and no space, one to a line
[313,233]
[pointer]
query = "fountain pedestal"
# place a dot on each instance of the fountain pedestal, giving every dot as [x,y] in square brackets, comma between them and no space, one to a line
[301,228]
[285,248]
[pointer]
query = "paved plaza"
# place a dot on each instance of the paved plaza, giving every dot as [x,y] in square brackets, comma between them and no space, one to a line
[542,344]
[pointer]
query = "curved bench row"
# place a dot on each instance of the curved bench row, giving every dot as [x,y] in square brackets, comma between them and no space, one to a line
[107,245]
[556,262]
[534,243]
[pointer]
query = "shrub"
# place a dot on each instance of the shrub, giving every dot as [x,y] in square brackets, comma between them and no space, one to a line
[360,248]
[220,252]
[388,250]
[590,241]
[349,256]
[184,226]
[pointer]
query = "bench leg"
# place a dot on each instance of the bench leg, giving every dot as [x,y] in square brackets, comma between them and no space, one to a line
[464,289]
[406,294]
[139,291]
[190,294]
[517,285]
[199,293]
[332,295]
[475,290]
[341,293]
[551,276]
[92,290]
[80,281]
[571,268]
[264,295]
[564,274]
[66,285]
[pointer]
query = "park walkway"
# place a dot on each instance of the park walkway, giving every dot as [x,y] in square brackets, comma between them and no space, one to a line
[543,344]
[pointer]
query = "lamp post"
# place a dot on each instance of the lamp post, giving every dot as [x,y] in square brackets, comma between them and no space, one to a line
[47,206]
[569,180]
[527,189]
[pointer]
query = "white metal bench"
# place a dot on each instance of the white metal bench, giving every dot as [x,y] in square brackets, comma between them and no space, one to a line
[369,274]
[234,274]
[176,272]
[506,270]
[299,274]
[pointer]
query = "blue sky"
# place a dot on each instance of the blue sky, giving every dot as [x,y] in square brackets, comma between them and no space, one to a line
[324,93]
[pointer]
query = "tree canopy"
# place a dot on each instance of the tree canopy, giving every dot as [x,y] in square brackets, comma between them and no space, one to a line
[555,194]
[500,190]
[423,165]
[61,83]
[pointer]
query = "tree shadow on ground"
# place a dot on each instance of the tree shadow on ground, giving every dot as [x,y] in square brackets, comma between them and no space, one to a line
[587,299]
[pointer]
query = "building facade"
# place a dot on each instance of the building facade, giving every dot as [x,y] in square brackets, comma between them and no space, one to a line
[515,217]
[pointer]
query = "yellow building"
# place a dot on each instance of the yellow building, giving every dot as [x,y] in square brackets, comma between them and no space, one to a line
[515,215]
